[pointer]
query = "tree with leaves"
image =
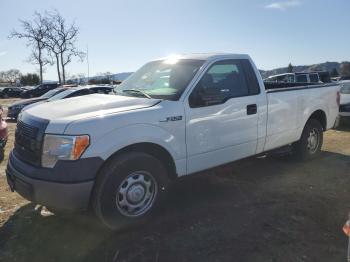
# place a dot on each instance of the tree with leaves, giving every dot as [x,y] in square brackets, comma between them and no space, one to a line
[30,79]
[34,32]
[290,68]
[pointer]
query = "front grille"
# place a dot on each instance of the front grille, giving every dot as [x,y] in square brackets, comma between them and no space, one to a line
[26,129]
[28,141]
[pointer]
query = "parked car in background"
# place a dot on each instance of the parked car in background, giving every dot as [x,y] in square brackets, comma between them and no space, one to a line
[325,76]
[39,90]
[3,134]
[24,88]
[16,108]
[81,91]
[344,108]
[295,78]
[7,92]
[173,117]
[342,78]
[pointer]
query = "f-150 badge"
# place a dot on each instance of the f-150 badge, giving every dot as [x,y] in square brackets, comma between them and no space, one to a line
[171,118]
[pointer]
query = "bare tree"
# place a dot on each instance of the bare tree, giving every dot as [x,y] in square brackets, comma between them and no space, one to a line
[35,57]
[10,76]
[2,76]
[34,32]
[108,75]
[82,78]
[52,43]
[61,41]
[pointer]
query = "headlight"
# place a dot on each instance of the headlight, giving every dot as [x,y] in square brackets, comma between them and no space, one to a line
[57,147]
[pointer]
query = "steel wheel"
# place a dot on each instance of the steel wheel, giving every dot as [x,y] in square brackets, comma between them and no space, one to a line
[136,194]
[313,140]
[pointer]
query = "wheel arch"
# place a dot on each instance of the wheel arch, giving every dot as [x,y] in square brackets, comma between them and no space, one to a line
[152,149]
[320,116]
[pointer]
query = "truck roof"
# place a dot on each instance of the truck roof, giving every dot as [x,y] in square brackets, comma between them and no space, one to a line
[206,56]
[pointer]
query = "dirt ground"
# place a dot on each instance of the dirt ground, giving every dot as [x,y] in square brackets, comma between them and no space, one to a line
[258,209]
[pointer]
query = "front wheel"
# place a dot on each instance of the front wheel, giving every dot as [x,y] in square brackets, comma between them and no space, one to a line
[310,144]
[129,189]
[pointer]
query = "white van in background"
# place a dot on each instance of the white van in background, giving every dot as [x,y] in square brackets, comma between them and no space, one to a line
[295,78]
[344,109]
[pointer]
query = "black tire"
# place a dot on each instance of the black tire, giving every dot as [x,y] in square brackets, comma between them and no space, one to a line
[6,96]
[115,175]
[306,150]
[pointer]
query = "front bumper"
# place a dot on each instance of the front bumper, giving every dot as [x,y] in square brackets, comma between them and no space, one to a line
[60,195]
[344,114]
[344,110]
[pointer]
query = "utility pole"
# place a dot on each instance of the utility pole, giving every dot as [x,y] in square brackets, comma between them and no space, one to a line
[88,65]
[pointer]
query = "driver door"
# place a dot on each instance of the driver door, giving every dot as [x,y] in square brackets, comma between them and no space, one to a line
[221,117]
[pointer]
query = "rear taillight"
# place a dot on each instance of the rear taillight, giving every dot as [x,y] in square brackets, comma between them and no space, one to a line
[338,98]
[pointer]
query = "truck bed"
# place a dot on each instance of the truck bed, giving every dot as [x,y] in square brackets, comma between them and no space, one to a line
[289,108]
[280,85]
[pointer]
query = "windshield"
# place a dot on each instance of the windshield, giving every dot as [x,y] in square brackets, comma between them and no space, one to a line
[51,93]
[62,94]
[164,79]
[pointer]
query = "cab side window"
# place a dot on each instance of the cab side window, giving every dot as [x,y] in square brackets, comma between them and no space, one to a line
[223,80]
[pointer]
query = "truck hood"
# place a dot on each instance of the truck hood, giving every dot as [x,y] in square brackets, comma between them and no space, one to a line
[77,108]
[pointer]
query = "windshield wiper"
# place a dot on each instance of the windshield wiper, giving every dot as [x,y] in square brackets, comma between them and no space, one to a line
[137,91]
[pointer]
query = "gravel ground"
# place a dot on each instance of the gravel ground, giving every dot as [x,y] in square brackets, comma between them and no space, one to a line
[257,209]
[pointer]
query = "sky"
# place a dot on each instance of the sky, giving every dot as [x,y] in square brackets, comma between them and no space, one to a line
[122,35]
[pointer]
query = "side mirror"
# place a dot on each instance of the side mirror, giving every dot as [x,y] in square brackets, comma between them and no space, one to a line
[201,96]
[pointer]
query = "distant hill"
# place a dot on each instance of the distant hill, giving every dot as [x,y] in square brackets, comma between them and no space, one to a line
[115,77]
[327,66]
[118,76]
[121,76]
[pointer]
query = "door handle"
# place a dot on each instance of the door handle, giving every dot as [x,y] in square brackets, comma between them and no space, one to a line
[252,109]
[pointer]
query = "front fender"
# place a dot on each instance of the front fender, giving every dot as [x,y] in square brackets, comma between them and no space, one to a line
[114,140]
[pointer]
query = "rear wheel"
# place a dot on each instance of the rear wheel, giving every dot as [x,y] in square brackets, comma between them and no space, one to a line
[129,189]
[310,144]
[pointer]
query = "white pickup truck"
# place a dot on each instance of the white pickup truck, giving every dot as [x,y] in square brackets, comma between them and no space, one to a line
[173,117]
